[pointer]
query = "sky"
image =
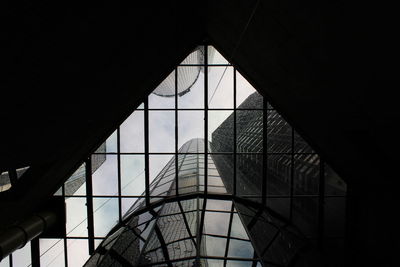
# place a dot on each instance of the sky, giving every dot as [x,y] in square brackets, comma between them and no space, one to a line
[161,139]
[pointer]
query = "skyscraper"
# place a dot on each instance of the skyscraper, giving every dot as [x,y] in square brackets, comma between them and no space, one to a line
[202,225]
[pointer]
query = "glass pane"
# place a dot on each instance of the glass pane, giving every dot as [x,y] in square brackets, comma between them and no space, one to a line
[241,249]
[162,131]
[220,131]
[161,167]
[105,215]
[51,252]
[306,174]
[249,131]
[111,144]
[334,184]
[76,183]
[279,175]
[213,204]
[76,216]
[191,81]
[220,87]
[224,165]
[240,263]
[216,223]
[127,204]
[22,256]
[246,95]
[78,252]
[165,89]
[300,145]
[279,134]
[214,57]
[249,168]
[132,133]
[132,174]
[105,178]
[215,246]
[5,262]
[190,125]
[237,229]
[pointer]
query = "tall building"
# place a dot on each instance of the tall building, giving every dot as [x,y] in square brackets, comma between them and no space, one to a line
[194,228]
[187,77]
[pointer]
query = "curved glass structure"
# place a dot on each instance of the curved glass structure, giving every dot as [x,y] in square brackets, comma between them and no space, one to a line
[202,225]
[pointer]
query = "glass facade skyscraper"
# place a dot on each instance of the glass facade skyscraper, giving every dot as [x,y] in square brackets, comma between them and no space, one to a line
[202,225]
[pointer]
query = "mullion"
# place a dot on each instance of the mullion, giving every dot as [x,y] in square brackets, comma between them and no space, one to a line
[234,136]
[119,174]
[229,233]
[211,153]
[35,252]
[146,150]
[176,133]
[89,205]
[265,154]
[65,237]
[205,120]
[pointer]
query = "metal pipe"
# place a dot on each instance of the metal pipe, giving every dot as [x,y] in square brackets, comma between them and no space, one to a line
[17,236]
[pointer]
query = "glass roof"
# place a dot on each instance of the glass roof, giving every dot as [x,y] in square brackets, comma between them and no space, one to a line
[211,155]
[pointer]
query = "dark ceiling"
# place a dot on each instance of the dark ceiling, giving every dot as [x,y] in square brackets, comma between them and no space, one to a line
[72,72]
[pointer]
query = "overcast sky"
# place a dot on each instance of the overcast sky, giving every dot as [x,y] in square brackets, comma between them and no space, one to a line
[161,139]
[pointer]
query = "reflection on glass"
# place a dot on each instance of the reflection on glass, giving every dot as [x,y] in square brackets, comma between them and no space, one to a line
[215,246]
[162,131]
[132,133]
[105,215]
[213,204]
[237,229]
[132,174]
[220,87]
[241,249]
[216,223]
[238,263]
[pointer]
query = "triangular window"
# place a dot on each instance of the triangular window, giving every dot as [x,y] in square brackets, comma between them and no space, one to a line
[150,182]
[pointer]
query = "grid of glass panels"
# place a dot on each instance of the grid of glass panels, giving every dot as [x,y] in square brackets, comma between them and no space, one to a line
[254,151]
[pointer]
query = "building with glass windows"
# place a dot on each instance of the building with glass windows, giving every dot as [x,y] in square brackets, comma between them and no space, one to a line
[201,225]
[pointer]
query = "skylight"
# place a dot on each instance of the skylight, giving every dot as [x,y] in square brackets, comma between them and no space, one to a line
[247,140]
